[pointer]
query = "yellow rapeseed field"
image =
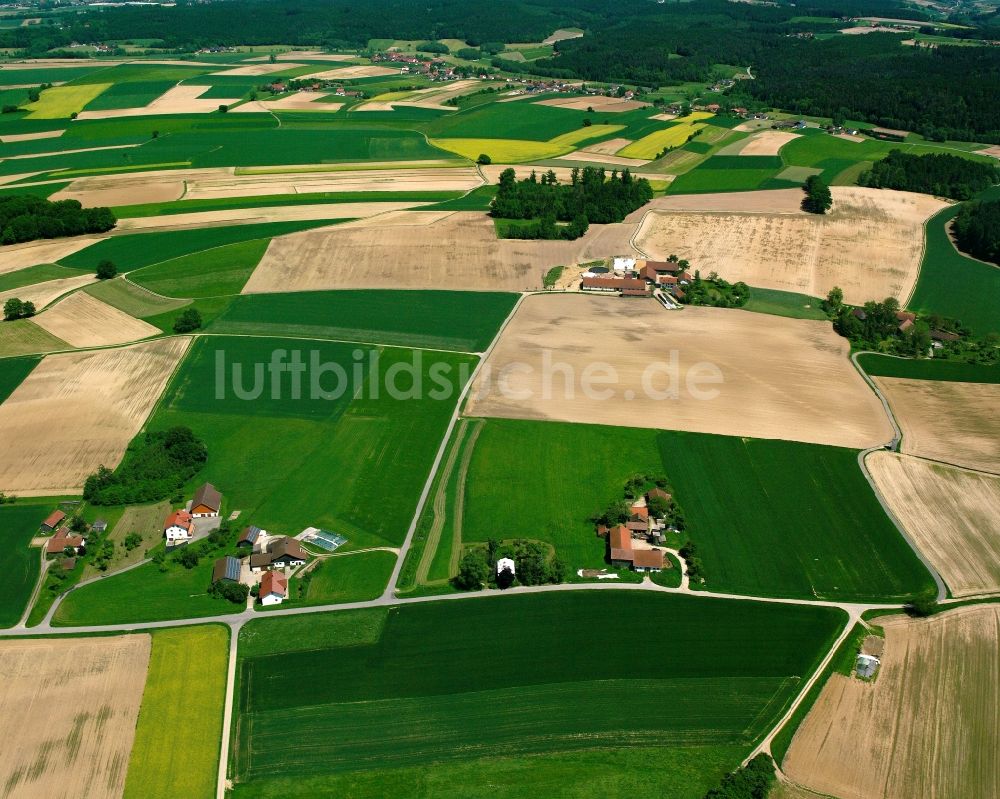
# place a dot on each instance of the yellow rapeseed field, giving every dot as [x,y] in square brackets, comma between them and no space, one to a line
[514,151]
[60,102]
[648,147]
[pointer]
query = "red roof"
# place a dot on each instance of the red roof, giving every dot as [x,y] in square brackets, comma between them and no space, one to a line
[648,558]
[640,510]
[620,541]
[53,519]
[275,583]
[179,518]
[616,283]
[61,540]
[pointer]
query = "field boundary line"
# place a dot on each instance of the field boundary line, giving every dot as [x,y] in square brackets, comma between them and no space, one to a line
[43,571]
[459,502]
[227,710]
[439,507]
[390,590]
[208,334]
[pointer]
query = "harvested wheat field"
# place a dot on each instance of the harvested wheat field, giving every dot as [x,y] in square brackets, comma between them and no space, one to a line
[181,99]
[609,147]
[101,399]
[43,293]
[780,378]
[251,70]
[222,185]
[590,156]
[767,142]
[952,514]
[308,55]
[82,320]
[870,244]
[136,188]
[19,256]
[299,101]
[12,138]
[926,727]
[769,201]
[345,73]
[248,216]
[956,423]
[599,103]
[458,251]
[70,708]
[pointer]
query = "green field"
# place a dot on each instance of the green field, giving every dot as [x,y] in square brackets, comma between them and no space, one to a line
[218,271]
[19,524]
[435,687]
[12,373]
[137,250]
[447,320]
[954,285]
[144,594]
[132,299]
[344,578]
[24,337]
[784,303]
[184,697]
[772,518]
[131,94]
[289,463]
[34,274]
[929,369]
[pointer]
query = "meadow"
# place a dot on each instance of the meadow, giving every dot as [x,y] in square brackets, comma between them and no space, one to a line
[34,274]
[19,523]
[357,577]
[435,687]
[929,369]
[220,270]
[447,320]
[784,303]
[954,285]
[132,299]
[326,461]
[184,697]
[768,517]
[24,337]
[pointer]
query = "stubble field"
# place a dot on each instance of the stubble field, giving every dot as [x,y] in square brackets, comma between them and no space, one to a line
[870,244]
[84,321]
[780,378]
[952,514]
[947,421]
[70,708]
[100,399]
[926,727]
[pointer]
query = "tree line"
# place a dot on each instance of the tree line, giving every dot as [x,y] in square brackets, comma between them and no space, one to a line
[977,230]
[940,174]
[590,197]
[24,217]
[156,466]
[533,565]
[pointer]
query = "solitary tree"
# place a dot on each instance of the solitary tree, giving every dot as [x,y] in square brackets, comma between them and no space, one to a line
[12,309]
[818,199]
[106,270]
[187,321]
[484,159]
[834,300]
[472,572]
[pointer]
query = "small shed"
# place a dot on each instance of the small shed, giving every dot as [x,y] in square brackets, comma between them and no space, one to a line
[227,568]
[506,563]
[867,666]
[99,526]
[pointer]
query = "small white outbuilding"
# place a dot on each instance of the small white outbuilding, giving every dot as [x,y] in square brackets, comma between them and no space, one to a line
[505,563]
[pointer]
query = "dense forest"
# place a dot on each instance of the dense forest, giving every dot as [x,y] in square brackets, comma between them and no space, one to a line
[938,173]
[590,193]
[155,467]
[977,230]
[24,217]
[947,92]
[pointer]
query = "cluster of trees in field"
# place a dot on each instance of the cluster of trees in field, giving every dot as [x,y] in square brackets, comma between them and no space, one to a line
[716,292]
[533,565]
[24,217]
[818,198]
[15,308]
[155,467]
[752,781]
[937,173]
[620,511]
[590,197]
[977,230]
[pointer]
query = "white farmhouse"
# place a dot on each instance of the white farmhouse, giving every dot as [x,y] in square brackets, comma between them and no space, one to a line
[273,588]
[178,527]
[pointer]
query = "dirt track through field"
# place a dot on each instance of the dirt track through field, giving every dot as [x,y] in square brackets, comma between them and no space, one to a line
[460,252]
[70,708]
[953,422]
[780,378]
[101,399]
[82,320]
[953,515]
[870,244]
[927,726]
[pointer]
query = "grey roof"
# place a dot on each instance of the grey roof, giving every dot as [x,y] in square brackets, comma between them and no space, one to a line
[227,568]
[99,525]
[250,534]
